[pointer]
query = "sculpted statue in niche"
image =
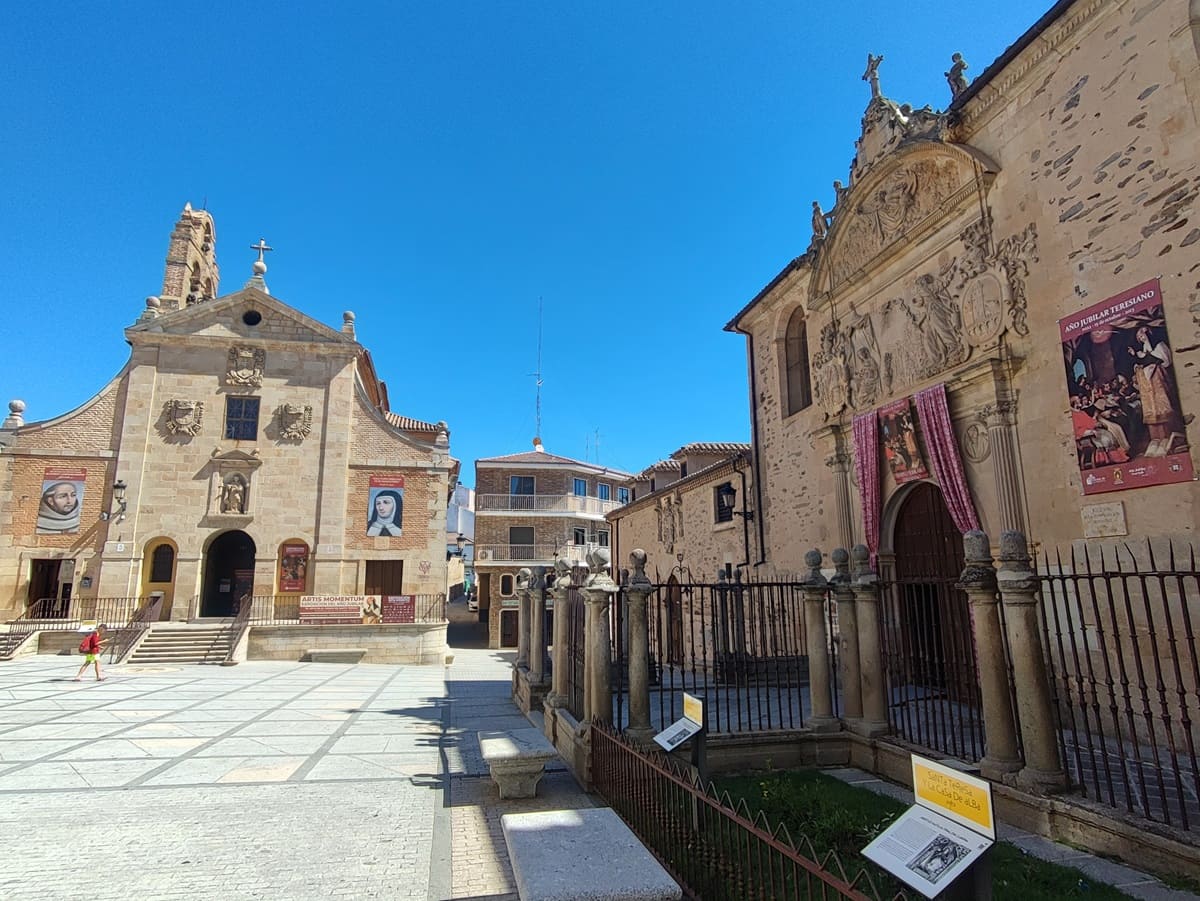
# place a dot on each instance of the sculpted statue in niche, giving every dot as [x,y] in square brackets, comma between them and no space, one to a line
[184,416]
[233,495]
[245,366]
[295,421]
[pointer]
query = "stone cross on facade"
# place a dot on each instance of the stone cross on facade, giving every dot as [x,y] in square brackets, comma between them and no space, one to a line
[872,74]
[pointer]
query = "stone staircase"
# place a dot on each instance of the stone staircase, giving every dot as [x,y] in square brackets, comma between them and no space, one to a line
[184,644]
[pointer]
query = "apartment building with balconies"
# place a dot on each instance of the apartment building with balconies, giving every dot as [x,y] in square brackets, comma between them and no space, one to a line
[532,508]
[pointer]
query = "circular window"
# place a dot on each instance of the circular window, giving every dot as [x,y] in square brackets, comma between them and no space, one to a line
[252,317]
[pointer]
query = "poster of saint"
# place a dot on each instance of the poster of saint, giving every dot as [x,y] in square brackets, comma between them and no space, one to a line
[1124,401]
[62,500]
[385,506]
[293,569]
[898,424]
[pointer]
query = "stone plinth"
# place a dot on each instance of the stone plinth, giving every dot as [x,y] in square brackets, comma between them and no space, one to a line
[516,760]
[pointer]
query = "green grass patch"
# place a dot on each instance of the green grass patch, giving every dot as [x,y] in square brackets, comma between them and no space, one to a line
[842,818]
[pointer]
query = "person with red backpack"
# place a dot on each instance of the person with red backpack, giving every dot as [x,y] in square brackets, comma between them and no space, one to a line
[90,646]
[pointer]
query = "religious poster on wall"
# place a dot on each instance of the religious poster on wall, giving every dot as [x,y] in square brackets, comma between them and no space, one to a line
[400,608]
[897,422]
[293,568]
[1125,414]
[385,506]
[62,500]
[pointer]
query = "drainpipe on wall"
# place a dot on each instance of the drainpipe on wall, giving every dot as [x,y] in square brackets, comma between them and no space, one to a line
[758,495]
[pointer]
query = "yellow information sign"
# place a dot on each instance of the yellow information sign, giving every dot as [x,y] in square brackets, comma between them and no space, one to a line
[693,708]
[964,799]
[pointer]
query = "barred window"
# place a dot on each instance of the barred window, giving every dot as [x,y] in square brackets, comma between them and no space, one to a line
[241,418]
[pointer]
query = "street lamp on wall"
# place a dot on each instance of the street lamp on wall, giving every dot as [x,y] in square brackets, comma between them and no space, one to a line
[727,495]
[118,488]
[460,542]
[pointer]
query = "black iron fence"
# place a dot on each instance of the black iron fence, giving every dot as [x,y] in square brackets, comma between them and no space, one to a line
[714,849]
[739,644]
[1121,642]
[124,617]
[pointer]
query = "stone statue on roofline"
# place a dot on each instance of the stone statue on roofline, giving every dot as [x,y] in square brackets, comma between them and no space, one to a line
[820,223]
[956,77]
[872,74]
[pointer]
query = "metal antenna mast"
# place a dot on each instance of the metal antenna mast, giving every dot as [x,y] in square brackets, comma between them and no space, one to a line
[538,375]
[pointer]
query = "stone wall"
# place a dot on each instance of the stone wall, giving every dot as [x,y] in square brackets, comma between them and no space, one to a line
[418,643]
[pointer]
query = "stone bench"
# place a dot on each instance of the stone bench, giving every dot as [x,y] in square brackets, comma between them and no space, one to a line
[516,760]
[582,855]
[335,655]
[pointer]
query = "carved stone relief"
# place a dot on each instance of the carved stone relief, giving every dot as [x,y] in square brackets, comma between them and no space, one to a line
[234,495]
[245,366]
[295,421]
[184,416]
[976,443]
[932,326]
[905,198]
[232,483]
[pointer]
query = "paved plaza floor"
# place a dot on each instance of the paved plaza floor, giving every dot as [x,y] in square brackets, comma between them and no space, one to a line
[263,780]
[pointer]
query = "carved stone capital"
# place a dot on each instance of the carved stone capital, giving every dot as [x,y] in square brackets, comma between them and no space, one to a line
[839,461]
[1001,413]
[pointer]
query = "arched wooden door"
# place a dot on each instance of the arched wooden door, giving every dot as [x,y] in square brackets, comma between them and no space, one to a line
[931,658]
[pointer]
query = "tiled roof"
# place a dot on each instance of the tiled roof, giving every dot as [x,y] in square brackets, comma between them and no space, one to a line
[710,447]
[532,457]
[660,466]
[411,425]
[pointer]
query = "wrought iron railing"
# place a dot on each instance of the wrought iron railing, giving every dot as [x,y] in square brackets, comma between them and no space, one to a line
[542,503]
[56,615]
[714,848]
[124,637]
[1125,669]
[284,609]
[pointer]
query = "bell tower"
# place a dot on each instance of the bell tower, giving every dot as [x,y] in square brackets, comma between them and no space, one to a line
[191,275]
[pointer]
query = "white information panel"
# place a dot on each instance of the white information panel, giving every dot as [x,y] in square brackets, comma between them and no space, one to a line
[677,733]
[926,850]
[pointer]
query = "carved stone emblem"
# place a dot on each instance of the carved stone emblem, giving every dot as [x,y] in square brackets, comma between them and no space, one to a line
[184,416]
[246,366]
[982,309]
[295,421]
[976,443]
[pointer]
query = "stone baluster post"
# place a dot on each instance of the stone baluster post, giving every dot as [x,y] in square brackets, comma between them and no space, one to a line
[537,626]
[819,688]
[1019,594]
[560,666]
[843,593]
[870,651]
[978,580]
[524,574]
[839,464]
[638,591]
[598,591]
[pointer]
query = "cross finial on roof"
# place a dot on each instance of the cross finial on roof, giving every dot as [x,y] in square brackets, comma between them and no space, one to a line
[261,247]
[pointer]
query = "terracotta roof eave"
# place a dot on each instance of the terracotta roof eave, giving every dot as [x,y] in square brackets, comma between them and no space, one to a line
[732,324]
[707,472]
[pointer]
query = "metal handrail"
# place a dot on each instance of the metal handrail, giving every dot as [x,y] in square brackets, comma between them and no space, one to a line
[543,503]
[127,635]
[240,624]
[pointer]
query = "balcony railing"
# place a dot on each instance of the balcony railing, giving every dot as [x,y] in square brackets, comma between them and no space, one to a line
[542,503]
[527,554]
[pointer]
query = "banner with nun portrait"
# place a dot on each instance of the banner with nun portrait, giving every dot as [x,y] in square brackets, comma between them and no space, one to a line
[61,501]
[1124,400]
[385,506]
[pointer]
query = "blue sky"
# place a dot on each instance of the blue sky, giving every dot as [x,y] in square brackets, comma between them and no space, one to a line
[645,168]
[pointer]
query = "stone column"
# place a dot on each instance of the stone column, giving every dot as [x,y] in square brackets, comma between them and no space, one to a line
[638,592]
[523,577]
[1019,594]
[537,626]
[598,590]
[843,593]
[820,693]
[978,580]
[1001,421]
[560,666]
[870,651]
[839,464]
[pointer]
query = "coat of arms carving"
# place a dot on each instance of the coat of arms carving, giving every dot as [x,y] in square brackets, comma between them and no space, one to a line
[295,421]
[246,366]
[184,416]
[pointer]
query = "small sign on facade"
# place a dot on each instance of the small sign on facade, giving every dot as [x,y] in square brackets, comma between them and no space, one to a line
[400,608]
[951,825]
[1104,520]
[340,610]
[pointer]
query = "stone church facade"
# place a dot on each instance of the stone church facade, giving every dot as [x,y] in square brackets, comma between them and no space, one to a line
[244,448]
[1056,193]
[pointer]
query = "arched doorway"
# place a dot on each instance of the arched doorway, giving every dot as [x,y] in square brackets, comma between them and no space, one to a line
[228,573]
[931,653]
